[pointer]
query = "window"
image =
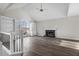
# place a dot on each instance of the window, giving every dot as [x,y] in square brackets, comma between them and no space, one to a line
[24,26]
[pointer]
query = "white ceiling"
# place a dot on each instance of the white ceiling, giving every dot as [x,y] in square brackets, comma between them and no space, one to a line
[10,6]
[3,6]
[51,10]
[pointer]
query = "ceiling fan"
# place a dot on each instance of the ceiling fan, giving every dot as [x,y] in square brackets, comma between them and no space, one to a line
[41,9]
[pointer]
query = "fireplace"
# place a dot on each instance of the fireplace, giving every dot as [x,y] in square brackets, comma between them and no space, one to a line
[50,33]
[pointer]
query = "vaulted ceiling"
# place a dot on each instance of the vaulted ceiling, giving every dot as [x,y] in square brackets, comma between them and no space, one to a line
[51,10]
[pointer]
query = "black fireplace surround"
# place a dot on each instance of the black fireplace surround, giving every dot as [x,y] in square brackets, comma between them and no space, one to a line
[50,33]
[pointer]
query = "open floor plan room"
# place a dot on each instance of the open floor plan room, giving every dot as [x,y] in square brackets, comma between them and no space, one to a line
[39,29]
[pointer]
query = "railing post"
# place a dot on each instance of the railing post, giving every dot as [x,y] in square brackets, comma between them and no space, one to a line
[12,38]
[21,39]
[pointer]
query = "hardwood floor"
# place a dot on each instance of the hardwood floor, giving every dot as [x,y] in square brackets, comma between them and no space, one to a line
[45,46]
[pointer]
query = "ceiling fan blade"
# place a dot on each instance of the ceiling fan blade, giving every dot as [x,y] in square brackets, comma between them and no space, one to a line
[37,8]
[45,9]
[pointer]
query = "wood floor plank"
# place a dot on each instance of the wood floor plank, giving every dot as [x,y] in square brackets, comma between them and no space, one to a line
[45,46]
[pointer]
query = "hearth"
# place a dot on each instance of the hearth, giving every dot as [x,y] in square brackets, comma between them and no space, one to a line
[50,33]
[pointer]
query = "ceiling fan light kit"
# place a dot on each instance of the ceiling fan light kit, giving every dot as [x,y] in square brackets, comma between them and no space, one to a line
[41,9]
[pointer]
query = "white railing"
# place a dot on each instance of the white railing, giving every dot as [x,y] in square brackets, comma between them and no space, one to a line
[16,43]
[8,27]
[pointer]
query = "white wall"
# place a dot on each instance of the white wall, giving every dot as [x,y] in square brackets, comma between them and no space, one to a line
[67,27]
[73,9]
[33,28]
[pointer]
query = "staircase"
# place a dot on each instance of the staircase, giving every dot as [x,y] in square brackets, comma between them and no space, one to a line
[16,46]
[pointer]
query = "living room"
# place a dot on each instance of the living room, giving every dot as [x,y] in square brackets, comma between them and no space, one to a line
[42,25]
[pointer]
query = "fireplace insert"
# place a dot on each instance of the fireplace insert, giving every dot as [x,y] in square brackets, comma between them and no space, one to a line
[50,33]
